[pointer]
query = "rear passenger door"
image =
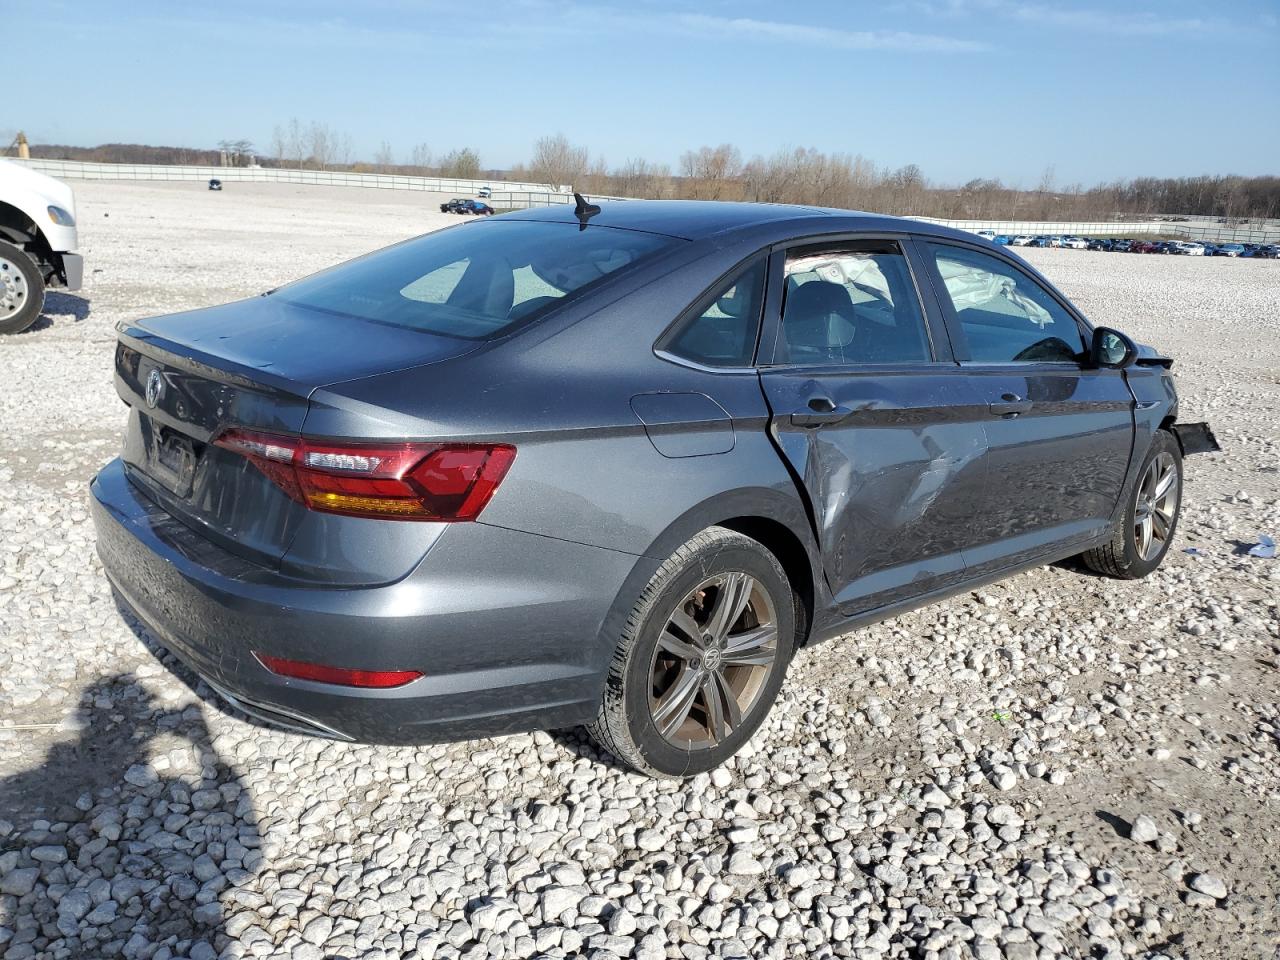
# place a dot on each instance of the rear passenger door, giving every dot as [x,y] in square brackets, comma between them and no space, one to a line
[868,411]
[1059,433]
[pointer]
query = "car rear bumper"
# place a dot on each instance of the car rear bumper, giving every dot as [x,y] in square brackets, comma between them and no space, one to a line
[505,626]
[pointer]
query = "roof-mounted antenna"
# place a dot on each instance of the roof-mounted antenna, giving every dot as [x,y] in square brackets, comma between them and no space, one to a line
[584,211]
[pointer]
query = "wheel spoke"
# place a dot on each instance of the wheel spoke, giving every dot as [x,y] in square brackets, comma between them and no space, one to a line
[751,647]
[677,646]
[731,600]
[1144,536]
[733,710]
[674,709]
[686,625]
[714,703]
[1165,483]
[1149,481]
[1160,525]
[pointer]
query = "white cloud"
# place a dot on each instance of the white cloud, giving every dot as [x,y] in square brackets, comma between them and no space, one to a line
[1113,19]
[1107,21]
[826,36]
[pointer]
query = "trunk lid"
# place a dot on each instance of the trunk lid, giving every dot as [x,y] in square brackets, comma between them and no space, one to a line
[253,364]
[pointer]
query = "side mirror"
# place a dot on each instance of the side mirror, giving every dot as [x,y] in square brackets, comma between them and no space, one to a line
[1111,349]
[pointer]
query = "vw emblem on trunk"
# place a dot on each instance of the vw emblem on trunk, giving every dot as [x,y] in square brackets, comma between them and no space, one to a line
[155,388]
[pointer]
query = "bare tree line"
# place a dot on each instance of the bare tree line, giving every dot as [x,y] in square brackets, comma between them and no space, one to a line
[851,181]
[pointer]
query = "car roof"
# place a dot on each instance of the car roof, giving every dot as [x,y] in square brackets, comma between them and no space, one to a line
[697,219]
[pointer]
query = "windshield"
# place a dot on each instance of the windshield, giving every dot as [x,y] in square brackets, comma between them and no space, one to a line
[477,281]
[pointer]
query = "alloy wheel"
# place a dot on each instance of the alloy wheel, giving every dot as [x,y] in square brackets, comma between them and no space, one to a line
[13,289]
[1156,506]
[712,660]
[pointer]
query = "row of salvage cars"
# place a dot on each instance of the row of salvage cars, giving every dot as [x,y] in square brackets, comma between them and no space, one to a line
[1130,245]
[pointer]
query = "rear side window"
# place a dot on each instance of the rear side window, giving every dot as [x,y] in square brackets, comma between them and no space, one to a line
[851,303]
[477,281]
[1005,316]
[723,333]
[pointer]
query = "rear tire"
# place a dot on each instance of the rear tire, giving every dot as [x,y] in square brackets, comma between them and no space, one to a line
[701,658]
[1152,507]
[21,289]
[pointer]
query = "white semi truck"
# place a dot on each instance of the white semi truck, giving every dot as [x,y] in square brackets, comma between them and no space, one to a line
[37,243]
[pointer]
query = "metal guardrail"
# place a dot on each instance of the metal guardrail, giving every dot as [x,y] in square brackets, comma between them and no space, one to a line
[82,170]
[539,198]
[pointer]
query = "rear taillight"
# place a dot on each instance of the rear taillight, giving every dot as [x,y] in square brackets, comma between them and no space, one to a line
[405,481]
[340,676]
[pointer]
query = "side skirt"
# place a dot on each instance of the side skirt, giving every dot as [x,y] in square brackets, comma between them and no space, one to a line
[842,625]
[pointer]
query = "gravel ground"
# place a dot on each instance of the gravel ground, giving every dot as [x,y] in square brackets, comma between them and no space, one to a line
[1057,765]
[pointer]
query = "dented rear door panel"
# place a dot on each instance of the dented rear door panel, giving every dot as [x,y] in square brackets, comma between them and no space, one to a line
[895,485]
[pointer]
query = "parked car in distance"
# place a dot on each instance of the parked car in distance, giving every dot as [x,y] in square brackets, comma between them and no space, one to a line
[1100,243]
[1210,249]
[987,234]
[1269,251]
[484,193]
[1229,250]
[1141,246]
[1121,246]
[1075,243]
[1003,239]
[1021,240]
[1189,249]
[612,464]
[467,206]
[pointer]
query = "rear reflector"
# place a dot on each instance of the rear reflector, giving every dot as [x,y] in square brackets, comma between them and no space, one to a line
[406,481]
[339,676]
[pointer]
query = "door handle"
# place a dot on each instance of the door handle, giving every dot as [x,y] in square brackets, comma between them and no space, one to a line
[819,411]
[1009,405]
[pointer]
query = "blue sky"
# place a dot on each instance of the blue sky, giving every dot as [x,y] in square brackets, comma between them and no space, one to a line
[963,88]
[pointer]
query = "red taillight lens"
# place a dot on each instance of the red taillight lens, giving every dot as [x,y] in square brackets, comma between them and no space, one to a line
[318,672]
[407,481]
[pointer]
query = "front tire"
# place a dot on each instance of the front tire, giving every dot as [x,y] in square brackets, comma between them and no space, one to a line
[701,658]
[1150,520]
[21,289]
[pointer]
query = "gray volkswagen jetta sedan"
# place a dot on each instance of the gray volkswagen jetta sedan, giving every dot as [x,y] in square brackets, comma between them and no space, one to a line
[611,465]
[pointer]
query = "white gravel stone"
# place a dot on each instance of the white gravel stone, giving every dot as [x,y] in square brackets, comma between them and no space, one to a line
[1143,829]
[1209,885]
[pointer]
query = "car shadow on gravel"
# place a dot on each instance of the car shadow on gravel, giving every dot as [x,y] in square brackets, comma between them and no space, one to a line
[60,306]
[131,833]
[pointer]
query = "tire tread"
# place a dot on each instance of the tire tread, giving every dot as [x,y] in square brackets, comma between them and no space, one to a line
[610,729]
[35,283]
[1115,558]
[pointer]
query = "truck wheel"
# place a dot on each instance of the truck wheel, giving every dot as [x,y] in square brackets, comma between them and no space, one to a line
[21,289]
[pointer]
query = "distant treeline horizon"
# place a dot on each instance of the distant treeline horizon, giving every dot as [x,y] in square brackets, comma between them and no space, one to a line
[805,176]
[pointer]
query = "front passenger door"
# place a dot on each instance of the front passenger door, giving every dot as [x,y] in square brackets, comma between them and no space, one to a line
[1059,434]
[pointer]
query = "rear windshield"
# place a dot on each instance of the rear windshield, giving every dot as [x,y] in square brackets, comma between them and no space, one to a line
[476,281]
